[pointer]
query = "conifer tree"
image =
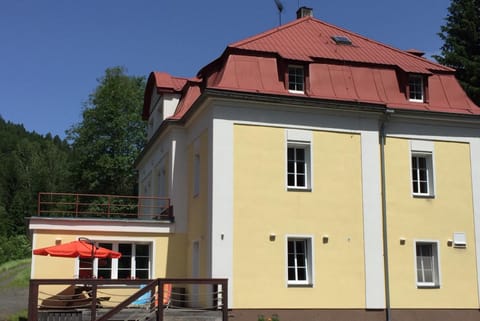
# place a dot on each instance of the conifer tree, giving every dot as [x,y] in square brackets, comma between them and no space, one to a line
[461,48]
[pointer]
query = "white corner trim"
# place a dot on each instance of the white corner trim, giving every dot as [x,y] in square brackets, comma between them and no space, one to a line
[475,166]
[222,203]
[33,266]
[372,222]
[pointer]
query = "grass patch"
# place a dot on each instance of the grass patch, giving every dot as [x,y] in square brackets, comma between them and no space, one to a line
[15,274]
[13,264]
[22,278]
[22,315]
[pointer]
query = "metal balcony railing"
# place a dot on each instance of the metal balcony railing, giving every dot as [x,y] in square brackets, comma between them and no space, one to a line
[102,300]
[76,205]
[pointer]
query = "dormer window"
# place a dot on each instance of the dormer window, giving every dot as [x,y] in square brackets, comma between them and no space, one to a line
[416,88]
[296,79]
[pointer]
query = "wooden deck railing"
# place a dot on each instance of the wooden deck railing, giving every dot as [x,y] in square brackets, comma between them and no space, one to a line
[104,206]
[102,300]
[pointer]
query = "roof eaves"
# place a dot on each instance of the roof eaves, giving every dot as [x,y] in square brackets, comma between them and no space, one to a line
[296,100]
[436,115]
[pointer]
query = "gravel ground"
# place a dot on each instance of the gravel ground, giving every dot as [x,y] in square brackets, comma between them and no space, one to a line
[12,299]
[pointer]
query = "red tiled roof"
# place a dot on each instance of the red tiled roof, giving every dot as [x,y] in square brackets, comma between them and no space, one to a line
[166,82]
[366,71]
[307,39]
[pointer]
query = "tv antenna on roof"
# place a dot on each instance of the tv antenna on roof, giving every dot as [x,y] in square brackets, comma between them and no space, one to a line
[280,9]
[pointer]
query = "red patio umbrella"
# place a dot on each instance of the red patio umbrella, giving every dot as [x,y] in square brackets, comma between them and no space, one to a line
[82,248]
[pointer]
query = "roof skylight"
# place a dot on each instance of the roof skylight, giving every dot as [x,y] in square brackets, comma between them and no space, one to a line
[342,40]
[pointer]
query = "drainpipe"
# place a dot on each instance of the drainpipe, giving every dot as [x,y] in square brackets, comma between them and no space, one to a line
[382,137]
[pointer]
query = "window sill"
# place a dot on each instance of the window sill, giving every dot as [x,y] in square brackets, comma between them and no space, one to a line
[425,286]
[420,101]
[299,92]
[298,189]
[293,285]
[423,196]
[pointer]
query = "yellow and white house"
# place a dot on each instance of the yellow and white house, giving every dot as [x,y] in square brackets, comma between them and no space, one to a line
[326,175]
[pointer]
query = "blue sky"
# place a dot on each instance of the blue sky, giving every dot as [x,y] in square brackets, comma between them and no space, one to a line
[52,52]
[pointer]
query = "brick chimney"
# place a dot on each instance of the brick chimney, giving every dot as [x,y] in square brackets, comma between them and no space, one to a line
[304,12]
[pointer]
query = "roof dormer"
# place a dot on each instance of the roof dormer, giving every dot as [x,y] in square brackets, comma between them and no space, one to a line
[163,106]
[162,96]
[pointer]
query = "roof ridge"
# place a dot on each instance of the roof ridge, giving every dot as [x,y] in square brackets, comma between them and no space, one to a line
[182,78]
[269,32]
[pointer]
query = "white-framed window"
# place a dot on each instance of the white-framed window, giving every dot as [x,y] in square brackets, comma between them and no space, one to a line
[296,79]
[299,260]
[135,262]
[416,88]
[298,165]
[427,268]
[422,174]
[298,159]
[422,168]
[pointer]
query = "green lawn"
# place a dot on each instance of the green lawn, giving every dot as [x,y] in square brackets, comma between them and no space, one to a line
[14,275]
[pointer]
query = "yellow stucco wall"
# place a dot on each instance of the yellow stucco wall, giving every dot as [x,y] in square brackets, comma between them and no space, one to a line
[434,219]
[169,249]
[262,206]
[198,206]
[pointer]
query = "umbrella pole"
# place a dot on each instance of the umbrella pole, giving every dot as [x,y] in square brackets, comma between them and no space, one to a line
[92,244]
[93,259]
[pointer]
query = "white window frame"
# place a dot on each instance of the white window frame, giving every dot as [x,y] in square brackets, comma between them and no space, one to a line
[416,88]
[114,262]
[435,282]
[298,167]
[297,138]
[296,79]
[422,150]
[308,262]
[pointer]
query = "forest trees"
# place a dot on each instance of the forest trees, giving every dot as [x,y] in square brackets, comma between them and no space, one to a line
[29,163]
[461,49]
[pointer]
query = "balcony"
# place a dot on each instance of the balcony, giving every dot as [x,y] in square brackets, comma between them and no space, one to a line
[97,206]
